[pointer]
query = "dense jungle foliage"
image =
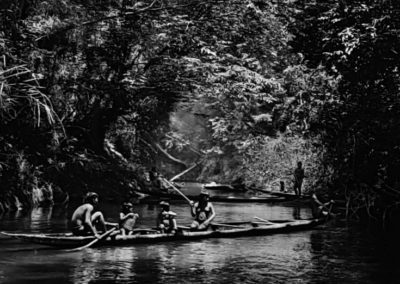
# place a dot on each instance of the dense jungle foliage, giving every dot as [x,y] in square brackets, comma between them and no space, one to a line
[95,93]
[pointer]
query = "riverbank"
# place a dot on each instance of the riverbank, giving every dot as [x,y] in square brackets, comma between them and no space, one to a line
[26,188]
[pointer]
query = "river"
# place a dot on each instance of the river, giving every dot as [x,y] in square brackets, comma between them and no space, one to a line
[332,253]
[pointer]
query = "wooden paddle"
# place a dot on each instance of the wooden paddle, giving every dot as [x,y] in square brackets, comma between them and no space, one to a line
[263,220]
[102,237]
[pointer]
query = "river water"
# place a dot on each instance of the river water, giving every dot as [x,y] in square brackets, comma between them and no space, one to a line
[332,253]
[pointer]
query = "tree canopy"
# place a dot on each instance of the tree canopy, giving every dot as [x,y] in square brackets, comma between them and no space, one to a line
[102,86]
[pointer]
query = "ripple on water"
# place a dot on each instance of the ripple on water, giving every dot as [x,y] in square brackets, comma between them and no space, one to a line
[327,255]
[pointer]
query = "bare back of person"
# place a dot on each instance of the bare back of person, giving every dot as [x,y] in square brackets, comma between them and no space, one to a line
[84,221]
[81,220]
[82,215]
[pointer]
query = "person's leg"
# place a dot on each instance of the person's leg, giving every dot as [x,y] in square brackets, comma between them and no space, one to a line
[98,221]
[295,188]
[300,184]
[194,225]
[161,227]
[174,225]
[79,231]
[123,233]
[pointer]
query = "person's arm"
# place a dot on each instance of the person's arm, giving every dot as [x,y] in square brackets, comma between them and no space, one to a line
[322,205]
[174,225]
[316,200]
[326,204]
[193,209]
[212,216]
[88,220]
[123,217]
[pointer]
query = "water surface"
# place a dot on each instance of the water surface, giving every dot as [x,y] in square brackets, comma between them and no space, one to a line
[332,253]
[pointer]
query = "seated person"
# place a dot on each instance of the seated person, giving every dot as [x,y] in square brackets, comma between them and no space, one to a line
[166,222]
[203,211]
[85,220]
[127,219]
[320,209]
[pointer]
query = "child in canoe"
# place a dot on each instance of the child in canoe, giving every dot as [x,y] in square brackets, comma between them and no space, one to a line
[166,222]
[127,218]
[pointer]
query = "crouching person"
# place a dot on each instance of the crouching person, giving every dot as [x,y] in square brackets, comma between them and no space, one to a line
[85,220]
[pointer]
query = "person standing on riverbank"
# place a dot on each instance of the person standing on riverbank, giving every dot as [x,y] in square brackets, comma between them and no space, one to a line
[203,211]
[298,178]
[84,221]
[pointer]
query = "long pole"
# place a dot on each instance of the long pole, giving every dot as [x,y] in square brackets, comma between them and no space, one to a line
[177,190]
[102,237]
[263,220]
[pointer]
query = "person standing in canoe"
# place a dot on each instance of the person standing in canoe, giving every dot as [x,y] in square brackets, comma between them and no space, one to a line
[298,178]
[85,220]
[202,211]
[127,219]
[166,221]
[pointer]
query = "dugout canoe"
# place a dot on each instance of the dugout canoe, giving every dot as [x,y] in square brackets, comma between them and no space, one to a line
[287,195]
[154,198]
[226,230]
[218,186]
[252,199]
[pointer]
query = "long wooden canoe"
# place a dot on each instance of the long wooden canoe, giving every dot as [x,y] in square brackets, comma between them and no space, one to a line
[251,199]
[287,195]
[238,229]
[218,186]
[216,198]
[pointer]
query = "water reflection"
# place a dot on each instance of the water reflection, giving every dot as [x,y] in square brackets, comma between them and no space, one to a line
[329,254]
[40,217]
[296,212]
[111,264]
[243,260]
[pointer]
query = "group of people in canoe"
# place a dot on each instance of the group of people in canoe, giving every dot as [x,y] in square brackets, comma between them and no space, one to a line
[87,221]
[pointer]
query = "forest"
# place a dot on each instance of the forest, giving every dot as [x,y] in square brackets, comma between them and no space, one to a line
[94,93]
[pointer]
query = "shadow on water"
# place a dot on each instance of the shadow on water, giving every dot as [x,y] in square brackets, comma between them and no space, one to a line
[354,254]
